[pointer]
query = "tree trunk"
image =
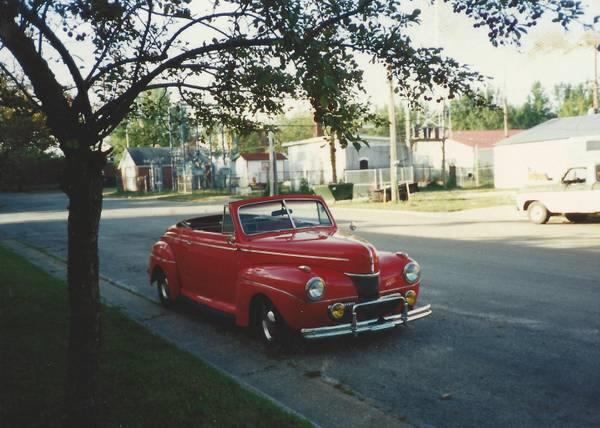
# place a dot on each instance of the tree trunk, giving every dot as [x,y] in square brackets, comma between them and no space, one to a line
[333,159]
[83,185]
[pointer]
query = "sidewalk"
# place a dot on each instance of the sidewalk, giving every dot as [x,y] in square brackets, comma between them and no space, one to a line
[320,399]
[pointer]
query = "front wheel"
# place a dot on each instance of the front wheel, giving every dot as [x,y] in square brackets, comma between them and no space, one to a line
[538,213]
[576,217]
[270,324]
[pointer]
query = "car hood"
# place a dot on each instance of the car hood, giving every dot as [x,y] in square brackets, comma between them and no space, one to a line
[347,253]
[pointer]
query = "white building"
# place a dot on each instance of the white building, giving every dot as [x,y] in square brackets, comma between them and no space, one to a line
[252,169]
[311,158]
[463,149]
[541,154]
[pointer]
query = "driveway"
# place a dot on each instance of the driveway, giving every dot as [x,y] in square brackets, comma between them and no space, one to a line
[514,338]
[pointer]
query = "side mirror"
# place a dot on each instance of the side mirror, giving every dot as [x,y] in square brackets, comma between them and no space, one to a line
[352,226]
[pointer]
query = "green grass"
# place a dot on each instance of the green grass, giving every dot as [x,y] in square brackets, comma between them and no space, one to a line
[194,196]
[143,380]
[440,201]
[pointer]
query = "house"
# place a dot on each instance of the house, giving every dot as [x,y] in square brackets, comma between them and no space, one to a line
[252,169]
[541,154]
[311,158]
[145,169]
[463,149]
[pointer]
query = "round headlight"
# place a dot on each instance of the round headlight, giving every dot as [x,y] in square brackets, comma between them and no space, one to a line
[412,272]
[315,288]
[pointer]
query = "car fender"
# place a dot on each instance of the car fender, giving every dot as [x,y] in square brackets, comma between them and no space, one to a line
[162,257]
[284,286]
[391,278]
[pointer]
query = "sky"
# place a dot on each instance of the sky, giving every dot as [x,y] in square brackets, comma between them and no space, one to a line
[511,68]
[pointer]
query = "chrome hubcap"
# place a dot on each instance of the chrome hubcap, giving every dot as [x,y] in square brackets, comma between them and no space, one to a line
[268,322]
[164,289]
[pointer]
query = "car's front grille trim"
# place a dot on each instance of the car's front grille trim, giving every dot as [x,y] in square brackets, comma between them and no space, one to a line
[367,285]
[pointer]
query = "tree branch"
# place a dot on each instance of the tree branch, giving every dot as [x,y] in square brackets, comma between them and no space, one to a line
[54,104]
[55,42]
[115,110]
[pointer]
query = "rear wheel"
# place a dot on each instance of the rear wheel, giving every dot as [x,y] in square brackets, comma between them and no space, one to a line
[162,285]
[576,217]
[538,213]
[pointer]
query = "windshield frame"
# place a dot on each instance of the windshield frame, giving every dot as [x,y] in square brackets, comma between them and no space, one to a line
[284,204]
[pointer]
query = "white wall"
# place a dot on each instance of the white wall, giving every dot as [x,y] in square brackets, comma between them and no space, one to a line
[128,173]
[311,159]
[539,163]
[256,171]
[429,153]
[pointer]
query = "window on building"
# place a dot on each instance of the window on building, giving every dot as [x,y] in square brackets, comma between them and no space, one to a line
[592,145]
[598,173]
[364,164]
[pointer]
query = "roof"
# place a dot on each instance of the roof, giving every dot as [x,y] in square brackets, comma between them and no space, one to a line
[481,138]
[261,156]
[558,129]
[147,155]
[371,139]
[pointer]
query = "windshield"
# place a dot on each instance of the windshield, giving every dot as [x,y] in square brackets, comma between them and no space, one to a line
[283,215]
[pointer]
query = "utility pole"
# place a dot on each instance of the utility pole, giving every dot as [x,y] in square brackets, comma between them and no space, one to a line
[171,150]
[505,110]
[476,164]
[272,166]
[595,83]
[183,151]
[393,146]
[441,125]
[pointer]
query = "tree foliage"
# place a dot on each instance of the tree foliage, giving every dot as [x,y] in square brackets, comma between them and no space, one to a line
[537,109]
[481,112]
[24,137]
[484,110]
[572,100]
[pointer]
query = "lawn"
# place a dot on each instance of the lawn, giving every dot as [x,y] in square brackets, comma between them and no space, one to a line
[143,382]
[194,196]
[441,201]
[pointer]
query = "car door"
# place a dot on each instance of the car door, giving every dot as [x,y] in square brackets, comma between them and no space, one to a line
[211,265]
[577,195]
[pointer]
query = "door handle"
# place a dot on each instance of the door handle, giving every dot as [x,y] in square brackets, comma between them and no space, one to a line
[186,242]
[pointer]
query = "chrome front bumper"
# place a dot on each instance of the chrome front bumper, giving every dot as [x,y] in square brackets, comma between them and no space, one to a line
[379,324]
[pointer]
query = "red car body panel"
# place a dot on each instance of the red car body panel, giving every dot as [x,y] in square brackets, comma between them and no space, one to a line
[211,268]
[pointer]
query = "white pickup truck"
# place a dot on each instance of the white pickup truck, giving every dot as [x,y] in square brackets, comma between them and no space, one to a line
[576,196]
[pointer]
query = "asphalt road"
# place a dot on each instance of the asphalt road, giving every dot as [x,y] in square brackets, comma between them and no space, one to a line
[514,339]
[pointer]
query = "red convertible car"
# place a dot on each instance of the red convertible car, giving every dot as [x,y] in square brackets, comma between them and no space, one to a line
[280,263]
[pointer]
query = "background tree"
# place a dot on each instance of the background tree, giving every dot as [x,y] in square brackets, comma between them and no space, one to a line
[535,110]
[147,124]
[572,100]
[24,137]
[480,111]
[87,62]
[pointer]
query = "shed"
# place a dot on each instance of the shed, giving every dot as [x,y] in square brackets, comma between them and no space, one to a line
[541,154]
[252,169]
[145,169]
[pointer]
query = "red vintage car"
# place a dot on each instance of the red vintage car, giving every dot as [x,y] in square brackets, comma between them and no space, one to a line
[280,263]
